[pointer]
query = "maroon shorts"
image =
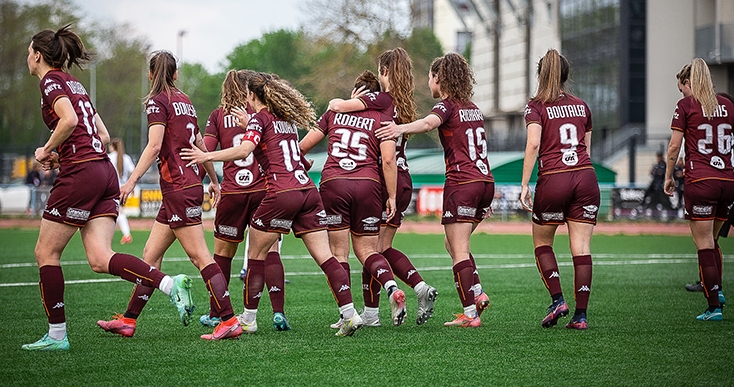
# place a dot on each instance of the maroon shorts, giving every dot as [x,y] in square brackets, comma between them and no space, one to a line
[560,197]
[181,208]
[234,213]
[708,199]
[354,204]
[467,202]
[298,209]
[403,197]
[84,191]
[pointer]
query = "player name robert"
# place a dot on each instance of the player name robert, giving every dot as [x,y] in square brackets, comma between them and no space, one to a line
[354,121]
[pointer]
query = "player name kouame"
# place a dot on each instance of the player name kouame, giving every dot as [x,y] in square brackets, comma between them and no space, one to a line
[284,127]
[565,111]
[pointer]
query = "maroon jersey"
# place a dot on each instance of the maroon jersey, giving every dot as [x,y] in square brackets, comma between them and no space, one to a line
[277,152]
[382,102]
[84,143]
[240,176]
[562,142]
[708,141]
[464,142]
[354,149]
[178,115]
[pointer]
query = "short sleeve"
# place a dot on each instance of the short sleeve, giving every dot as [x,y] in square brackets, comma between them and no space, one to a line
[679,117]
[52,88]
[157,112]
[532,114]
[443,110]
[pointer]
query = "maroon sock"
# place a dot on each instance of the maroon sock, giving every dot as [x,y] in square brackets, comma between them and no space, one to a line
[548,268]
[370,290]
[225,263]
[709,275]
[377,265]
[463,279]
[275,281]
[254,282]
[581,280]
[52,293]
[135,270]
[218,292]
[402,267]
[138,300]
[338,281]
[719,262]
[346,267]
[476,272]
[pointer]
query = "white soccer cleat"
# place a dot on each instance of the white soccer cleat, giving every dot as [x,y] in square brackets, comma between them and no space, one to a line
[350,326]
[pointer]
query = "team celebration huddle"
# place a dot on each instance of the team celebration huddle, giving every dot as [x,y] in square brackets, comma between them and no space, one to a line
[364,190]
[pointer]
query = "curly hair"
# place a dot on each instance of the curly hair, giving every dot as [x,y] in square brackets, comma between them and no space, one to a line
[702,88]
[369,80]
[282,100]
[553,70]
[455,77]
[234,89]
[399,69]
[61,49]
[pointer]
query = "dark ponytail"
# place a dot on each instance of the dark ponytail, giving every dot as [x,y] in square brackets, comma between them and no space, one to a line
[61,49]
[162,69]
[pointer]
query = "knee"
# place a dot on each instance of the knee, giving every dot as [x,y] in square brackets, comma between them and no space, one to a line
[99,264]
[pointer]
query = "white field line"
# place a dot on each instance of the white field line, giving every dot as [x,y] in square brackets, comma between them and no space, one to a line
[631,259]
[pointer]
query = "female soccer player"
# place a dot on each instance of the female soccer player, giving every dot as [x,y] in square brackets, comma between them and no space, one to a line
[124,166]
[84,196]
[172,127]
[292,200]
[469,186]
[351,189]
[705,120]
[394,99]
[243,188]
[567,190]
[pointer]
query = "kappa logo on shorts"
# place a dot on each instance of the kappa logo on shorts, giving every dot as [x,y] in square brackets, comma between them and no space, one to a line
[227,230]
[259,222]
[703,210]
[75,213]
[466,211]
[448,214]
[54,212]
[552,216]
[281,223]
[174,218]
[193,212]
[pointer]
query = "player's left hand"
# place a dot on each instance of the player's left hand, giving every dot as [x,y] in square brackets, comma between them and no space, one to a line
[388,130]
[215,193]
[390,208]
[356,93]
[526,199]
[194,155]
[41,155]
[240,114]
[669,186]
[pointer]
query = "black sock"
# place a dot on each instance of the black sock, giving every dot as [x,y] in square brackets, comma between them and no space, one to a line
[557,296]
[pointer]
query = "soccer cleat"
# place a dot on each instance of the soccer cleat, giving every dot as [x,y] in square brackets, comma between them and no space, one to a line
[337,324]
[482,303]
[370,319]
[708,315]
[425,304]
[247,327]
[46,343]
[207,321]
[229,329]
[350,326]
[697,287]
[182,299]
[120,325]
[722,299]
[397,306]
[280,323]
[578,322]
[126,240]
[556,310]
[463,321]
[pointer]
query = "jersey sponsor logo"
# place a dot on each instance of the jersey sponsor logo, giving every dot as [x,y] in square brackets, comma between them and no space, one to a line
[466,211]
[440,106]
[372,96]
[228,230]
[570,158]
[244,177]
[565,111]
[482,167]
[353,121]
[333,219]
[527,110]
[183,109]
[448,214]
[54,212]
[75,213]
[174,218]
[51,87]
[584,288]
[152,108]
[552,216]
[703,210]
[717,162]
[301,176]
[470,115]
[281,223]
[193,212]
[371,224]
[97,145]
[76,87]
[347,164]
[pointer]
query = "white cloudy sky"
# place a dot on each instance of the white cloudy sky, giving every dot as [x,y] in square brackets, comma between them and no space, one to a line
[213,27]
